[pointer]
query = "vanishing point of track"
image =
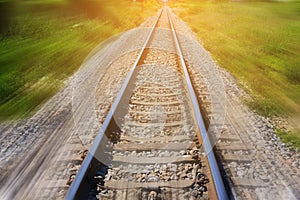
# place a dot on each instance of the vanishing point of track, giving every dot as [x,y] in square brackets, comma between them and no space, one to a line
[153,143]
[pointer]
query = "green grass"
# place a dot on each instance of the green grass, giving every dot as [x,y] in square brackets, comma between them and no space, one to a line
[291,138]
[46,41]
[259,43]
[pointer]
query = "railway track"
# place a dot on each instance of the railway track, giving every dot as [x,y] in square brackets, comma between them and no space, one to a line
[153,142]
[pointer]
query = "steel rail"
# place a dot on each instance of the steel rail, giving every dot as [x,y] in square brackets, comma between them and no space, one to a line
[217,179]
[81,185]
[81,180]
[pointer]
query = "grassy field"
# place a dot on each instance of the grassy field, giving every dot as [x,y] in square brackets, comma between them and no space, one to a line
[44,42]
[259,43]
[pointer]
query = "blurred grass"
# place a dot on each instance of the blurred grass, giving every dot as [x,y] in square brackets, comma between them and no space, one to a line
[291,138]
[259,43]
[46,41]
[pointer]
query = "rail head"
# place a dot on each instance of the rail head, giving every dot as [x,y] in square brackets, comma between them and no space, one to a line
[216,175]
